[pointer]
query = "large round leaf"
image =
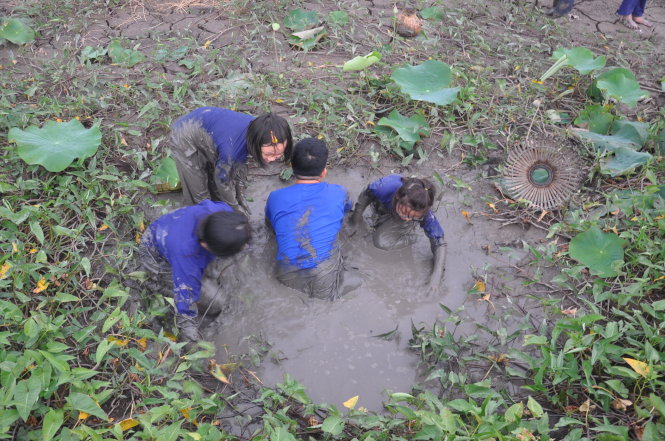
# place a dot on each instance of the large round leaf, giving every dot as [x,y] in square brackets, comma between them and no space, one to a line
[299,19]
[426,82]
[623,161]
[56,145]
[581,59]
[16,31]
[408,128]
[620,84]
[597,250]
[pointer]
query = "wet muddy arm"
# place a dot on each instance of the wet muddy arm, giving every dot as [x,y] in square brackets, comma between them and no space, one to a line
[439,250]
[364,200]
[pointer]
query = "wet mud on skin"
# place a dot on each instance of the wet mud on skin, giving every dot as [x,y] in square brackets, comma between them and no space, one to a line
[331,347]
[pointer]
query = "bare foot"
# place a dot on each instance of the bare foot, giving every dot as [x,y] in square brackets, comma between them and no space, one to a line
[641,20]
[628,22]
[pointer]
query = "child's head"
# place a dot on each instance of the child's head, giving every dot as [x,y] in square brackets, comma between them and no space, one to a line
[414,198]
[309,158]
[223,233]
[269,138]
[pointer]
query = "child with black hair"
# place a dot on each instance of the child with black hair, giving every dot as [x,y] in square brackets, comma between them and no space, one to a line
[400,204]
[210,147]
[176,249]
[306,218]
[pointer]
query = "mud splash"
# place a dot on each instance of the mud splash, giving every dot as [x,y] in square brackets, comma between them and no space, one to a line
[332,348]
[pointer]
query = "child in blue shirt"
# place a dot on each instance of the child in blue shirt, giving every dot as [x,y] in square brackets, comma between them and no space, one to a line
[402,203]
[176,249]
[210,147]
[306,218]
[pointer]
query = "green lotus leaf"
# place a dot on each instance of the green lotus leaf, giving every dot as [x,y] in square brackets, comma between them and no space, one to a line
[623,133]
[167,173]
[623,161]
[427,82]
[596,118]
[362,62]
[408,128]
[621,85]
[299,19]
[56,145]
[16,31]
[580,59]
[338,18]
[598,251]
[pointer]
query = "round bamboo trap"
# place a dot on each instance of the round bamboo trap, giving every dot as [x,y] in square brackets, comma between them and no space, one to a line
[544,177]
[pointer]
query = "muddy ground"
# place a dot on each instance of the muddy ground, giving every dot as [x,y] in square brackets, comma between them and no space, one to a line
[332,348]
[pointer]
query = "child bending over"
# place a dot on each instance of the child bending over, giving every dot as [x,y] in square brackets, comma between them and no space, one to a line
[176,249]
[401,203]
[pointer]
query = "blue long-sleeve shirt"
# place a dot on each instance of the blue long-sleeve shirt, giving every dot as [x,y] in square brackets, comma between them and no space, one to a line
[383,190]
[228,130]
[174,237]
[306,219]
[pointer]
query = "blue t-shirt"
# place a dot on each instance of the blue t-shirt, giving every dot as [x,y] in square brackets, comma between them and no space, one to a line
[174,237]
[383,190]
[306,219]
[228,130]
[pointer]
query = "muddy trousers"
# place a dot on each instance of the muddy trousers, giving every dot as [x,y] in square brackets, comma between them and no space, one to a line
[196,160]
[328,281]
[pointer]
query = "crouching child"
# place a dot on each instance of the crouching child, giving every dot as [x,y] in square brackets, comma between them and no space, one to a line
[400,205]
[306,218]
[176,249]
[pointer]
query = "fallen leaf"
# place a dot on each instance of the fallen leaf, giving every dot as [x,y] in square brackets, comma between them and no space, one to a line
[142,344]
[639,432]
[83,415]
[638,366]
[569,312]
[128,424]
[33,250]
[493,207]
[586,406]
[466,216]
[14,247]
[351,402]
[216,372]
[41,286]
[542,215]
[621,404]
[4,269]
[104,226]
[479,286]
[206,44]
[185,412]
[313,421]
[117,341]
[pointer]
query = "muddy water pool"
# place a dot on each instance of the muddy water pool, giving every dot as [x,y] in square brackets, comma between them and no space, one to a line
[331,347]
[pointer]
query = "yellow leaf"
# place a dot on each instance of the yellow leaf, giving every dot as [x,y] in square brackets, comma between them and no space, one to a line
[216,372]
[128,424]
[492,206]
[194,435]
[279,100]
[638,366]
[41,286]
[118,341]
[370,123]
[141,227]
[170,336]
[587,406]
[83,415]
[138,238]
[58,120]
[33,250]
[14,247]
[104,226]
[479,286]
[185,412]
[4,269]
[351,402]
[142,344]
[207,43]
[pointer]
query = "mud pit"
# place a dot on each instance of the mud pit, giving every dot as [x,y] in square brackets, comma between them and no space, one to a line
[332,347]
